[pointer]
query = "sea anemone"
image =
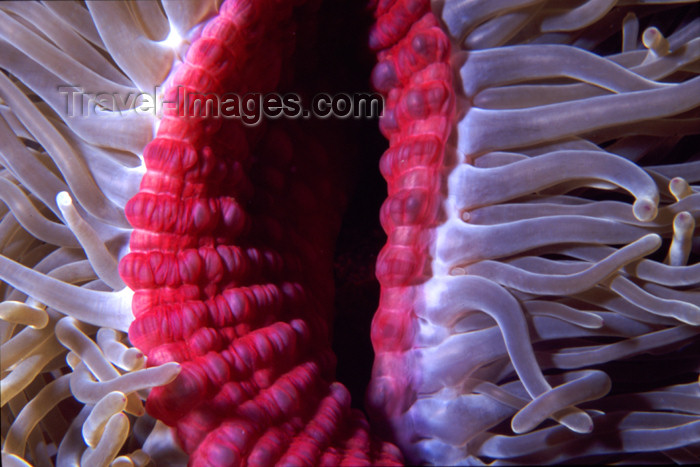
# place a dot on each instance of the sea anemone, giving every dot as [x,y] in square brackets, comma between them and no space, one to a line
[556,315]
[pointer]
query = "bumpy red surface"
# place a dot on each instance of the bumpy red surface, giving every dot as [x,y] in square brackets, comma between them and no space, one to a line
[413,70]
[231,261]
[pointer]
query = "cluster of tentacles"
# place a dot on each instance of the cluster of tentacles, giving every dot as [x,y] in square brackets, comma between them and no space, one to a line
[72,385]
[556,316]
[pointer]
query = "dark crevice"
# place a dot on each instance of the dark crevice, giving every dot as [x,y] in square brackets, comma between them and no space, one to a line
[345,63]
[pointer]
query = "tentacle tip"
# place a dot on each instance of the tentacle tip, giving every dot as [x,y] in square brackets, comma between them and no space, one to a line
[578,422]
[173,370]
[63,199]
[684,221]
[596,322]
[521,425]
[645,209]
[679,188]
[584,427]
[655,41]
[654,241]
[629,17]
[135,364]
